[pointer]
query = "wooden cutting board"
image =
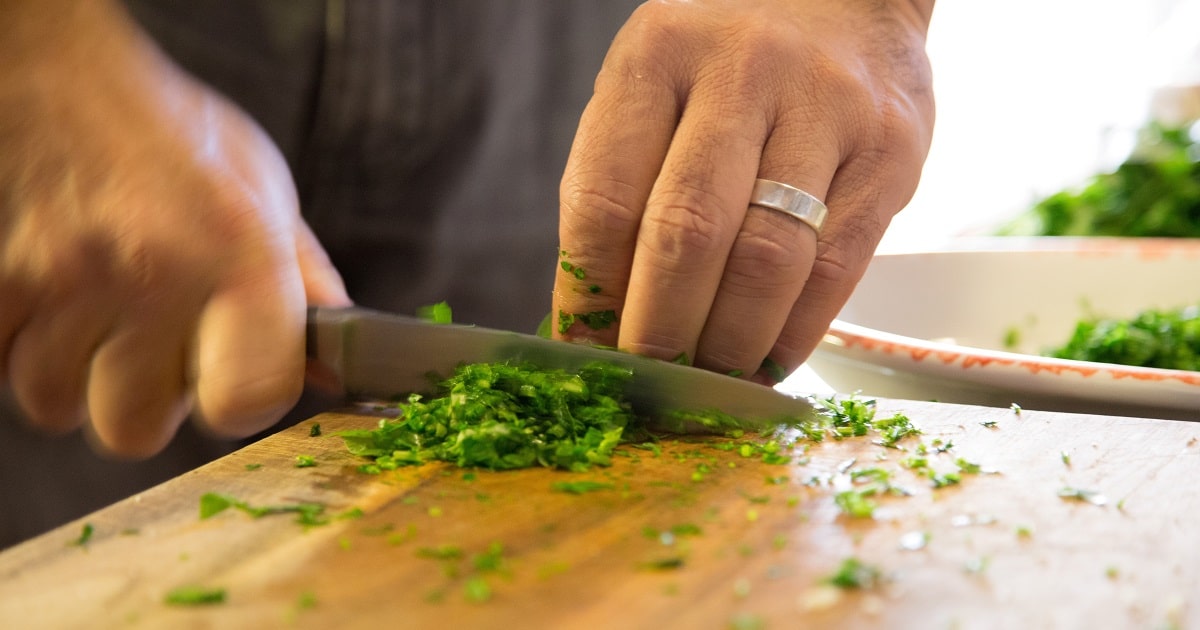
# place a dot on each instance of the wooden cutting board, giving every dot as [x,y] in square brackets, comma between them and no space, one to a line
[753,543]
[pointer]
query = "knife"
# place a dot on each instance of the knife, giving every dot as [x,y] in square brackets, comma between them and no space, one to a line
[378,355]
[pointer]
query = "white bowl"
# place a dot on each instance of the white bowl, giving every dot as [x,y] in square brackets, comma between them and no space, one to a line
[933,325]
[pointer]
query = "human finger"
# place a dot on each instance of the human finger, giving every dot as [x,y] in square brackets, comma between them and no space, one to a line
[623,136]
[862,198]
[691,220]
[138,388]
[248,350]
[49,360]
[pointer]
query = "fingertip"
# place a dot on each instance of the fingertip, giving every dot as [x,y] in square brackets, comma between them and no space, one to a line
[239,407]
[139,431]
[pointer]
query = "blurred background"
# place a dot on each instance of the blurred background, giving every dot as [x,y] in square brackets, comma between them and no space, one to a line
[1037,95]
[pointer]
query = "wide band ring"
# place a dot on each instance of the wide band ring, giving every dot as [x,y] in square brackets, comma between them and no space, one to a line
[789,200]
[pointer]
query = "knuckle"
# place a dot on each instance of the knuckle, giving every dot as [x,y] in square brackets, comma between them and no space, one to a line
[687,219]
[841,263]
[763,263]
[609,206]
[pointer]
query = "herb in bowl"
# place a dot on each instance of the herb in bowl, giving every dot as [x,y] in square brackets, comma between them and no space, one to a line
[1156,338]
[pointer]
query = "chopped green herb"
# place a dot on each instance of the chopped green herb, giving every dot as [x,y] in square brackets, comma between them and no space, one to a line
[773,370]
[306,600]
[1012,338]
[253,466]
[491,560]
[669,563]
[686,529]
[315,431]
[500,416]
[854,574]
[989,424]
[944,479]
[305,461]
[350,514]
[1016,409]
[565,321]
[967,467]
[195,596]
[734,373]
[477,589]
[1066,458]
[444,552]
[597,320]
[682,359]
[856,503]
[439,313]
[1157,338]
[212,503]
[85,535]
[1155,191]
[580,487]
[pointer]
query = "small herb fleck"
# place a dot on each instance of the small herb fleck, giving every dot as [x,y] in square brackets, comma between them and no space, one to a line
[439,313]
[85,535]
[195,596]
[315,430]
[305,461]
[854,574]
[581,487]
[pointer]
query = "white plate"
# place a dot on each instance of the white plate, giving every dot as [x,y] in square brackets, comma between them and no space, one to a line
[933,325]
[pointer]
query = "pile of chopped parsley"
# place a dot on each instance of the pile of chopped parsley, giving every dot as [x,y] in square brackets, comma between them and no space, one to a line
[503,416]
[1158,338]
[1153,193]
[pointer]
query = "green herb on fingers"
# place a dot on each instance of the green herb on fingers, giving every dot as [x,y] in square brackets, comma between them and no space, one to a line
[773,370]
[565,321]
[598,320]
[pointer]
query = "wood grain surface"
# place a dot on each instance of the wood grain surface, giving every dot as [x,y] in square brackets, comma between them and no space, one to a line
[753,543]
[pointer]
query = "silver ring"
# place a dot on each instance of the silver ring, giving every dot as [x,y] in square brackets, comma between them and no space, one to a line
[789,200]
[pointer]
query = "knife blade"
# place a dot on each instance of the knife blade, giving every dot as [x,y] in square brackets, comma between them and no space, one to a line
[378,355]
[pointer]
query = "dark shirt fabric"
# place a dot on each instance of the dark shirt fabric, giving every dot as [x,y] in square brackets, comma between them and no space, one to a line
[427,139]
